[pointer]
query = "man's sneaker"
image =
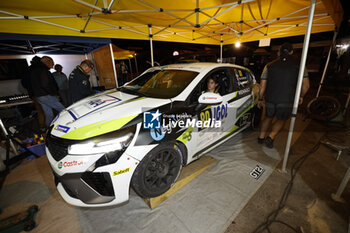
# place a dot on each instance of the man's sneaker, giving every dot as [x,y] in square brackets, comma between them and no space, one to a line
[261,140]
[269,142]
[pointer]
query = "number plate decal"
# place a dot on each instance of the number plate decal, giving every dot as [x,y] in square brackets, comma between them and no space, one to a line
[257,172]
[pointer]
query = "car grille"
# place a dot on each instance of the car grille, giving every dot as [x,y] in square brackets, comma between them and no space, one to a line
[101,182]
[57,149]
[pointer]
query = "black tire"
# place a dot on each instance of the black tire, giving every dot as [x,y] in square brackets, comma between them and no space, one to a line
[28,226]
[256,118]
[158,170]
[324,106]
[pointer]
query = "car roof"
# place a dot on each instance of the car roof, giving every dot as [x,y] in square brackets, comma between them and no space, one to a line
[199,66]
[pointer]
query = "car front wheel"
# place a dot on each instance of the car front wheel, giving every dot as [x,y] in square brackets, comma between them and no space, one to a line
[158,170]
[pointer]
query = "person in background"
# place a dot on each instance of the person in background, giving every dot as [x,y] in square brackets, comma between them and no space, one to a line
[45,88]
[79,84]
[124,70]
[63,84]
[278,86]
[26,83]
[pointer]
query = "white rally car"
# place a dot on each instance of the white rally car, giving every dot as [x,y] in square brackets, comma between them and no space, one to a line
[143,133]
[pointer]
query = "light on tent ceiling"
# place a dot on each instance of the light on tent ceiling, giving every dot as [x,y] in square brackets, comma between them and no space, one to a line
[238,44]
[342,46]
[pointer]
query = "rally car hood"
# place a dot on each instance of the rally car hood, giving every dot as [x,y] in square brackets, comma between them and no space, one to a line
[102,113]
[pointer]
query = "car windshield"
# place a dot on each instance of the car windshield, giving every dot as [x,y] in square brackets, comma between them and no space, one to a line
[163,84]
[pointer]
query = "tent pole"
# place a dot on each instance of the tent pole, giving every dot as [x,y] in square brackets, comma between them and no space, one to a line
[88,5]
[326,65]
[151,43]
[95,69]
[172,25]
[226,4]
[110,5]
[222,12]
[137,69]
[113,64]
[221,41]
[300,81]
[130,65]
[197,12]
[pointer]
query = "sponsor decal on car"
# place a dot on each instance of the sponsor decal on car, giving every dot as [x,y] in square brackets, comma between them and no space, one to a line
[220,112]
[70,164]
[157,134]
[244,91]
[210,98]
[187,136]
[244,107]
[96,102]
[122,171]
[62,128]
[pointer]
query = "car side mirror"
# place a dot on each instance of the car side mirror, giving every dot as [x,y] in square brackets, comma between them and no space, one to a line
[210,98]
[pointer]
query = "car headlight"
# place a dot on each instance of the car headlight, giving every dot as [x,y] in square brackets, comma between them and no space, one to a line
[103,144]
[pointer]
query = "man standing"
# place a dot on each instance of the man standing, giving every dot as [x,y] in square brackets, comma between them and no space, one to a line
[27,84]
[124,70]
[45,88]
[63,85]
[278,85]
[79,84]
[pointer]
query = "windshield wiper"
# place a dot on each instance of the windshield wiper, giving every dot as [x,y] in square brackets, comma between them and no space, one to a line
[131,91]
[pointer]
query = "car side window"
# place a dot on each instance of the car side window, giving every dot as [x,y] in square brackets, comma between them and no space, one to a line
[221,76]
[197,91]
[241,78]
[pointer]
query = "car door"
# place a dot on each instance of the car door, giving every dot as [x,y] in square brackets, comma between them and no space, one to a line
[206,136]
[242,84]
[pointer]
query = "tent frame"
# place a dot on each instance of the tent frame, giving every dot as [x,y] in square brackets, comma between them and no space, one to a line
[299,83]
[327,62]
[197,29]
[113,64]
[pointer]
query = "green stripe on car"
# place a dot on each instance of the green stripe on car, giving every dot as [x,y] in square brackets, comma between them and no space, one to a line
[97,128]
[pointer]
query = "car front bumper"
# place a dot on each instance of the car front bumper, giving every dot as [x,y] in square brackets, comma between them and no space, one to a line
[80,185]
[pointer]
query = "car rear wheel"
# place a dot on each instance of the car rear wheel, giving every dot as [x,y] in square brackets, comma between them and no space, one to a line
[256,117]
[157,171]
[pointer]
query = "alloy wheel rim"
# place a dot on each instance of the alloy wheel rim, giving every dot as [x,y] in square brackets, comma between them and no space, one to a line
[161,170]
